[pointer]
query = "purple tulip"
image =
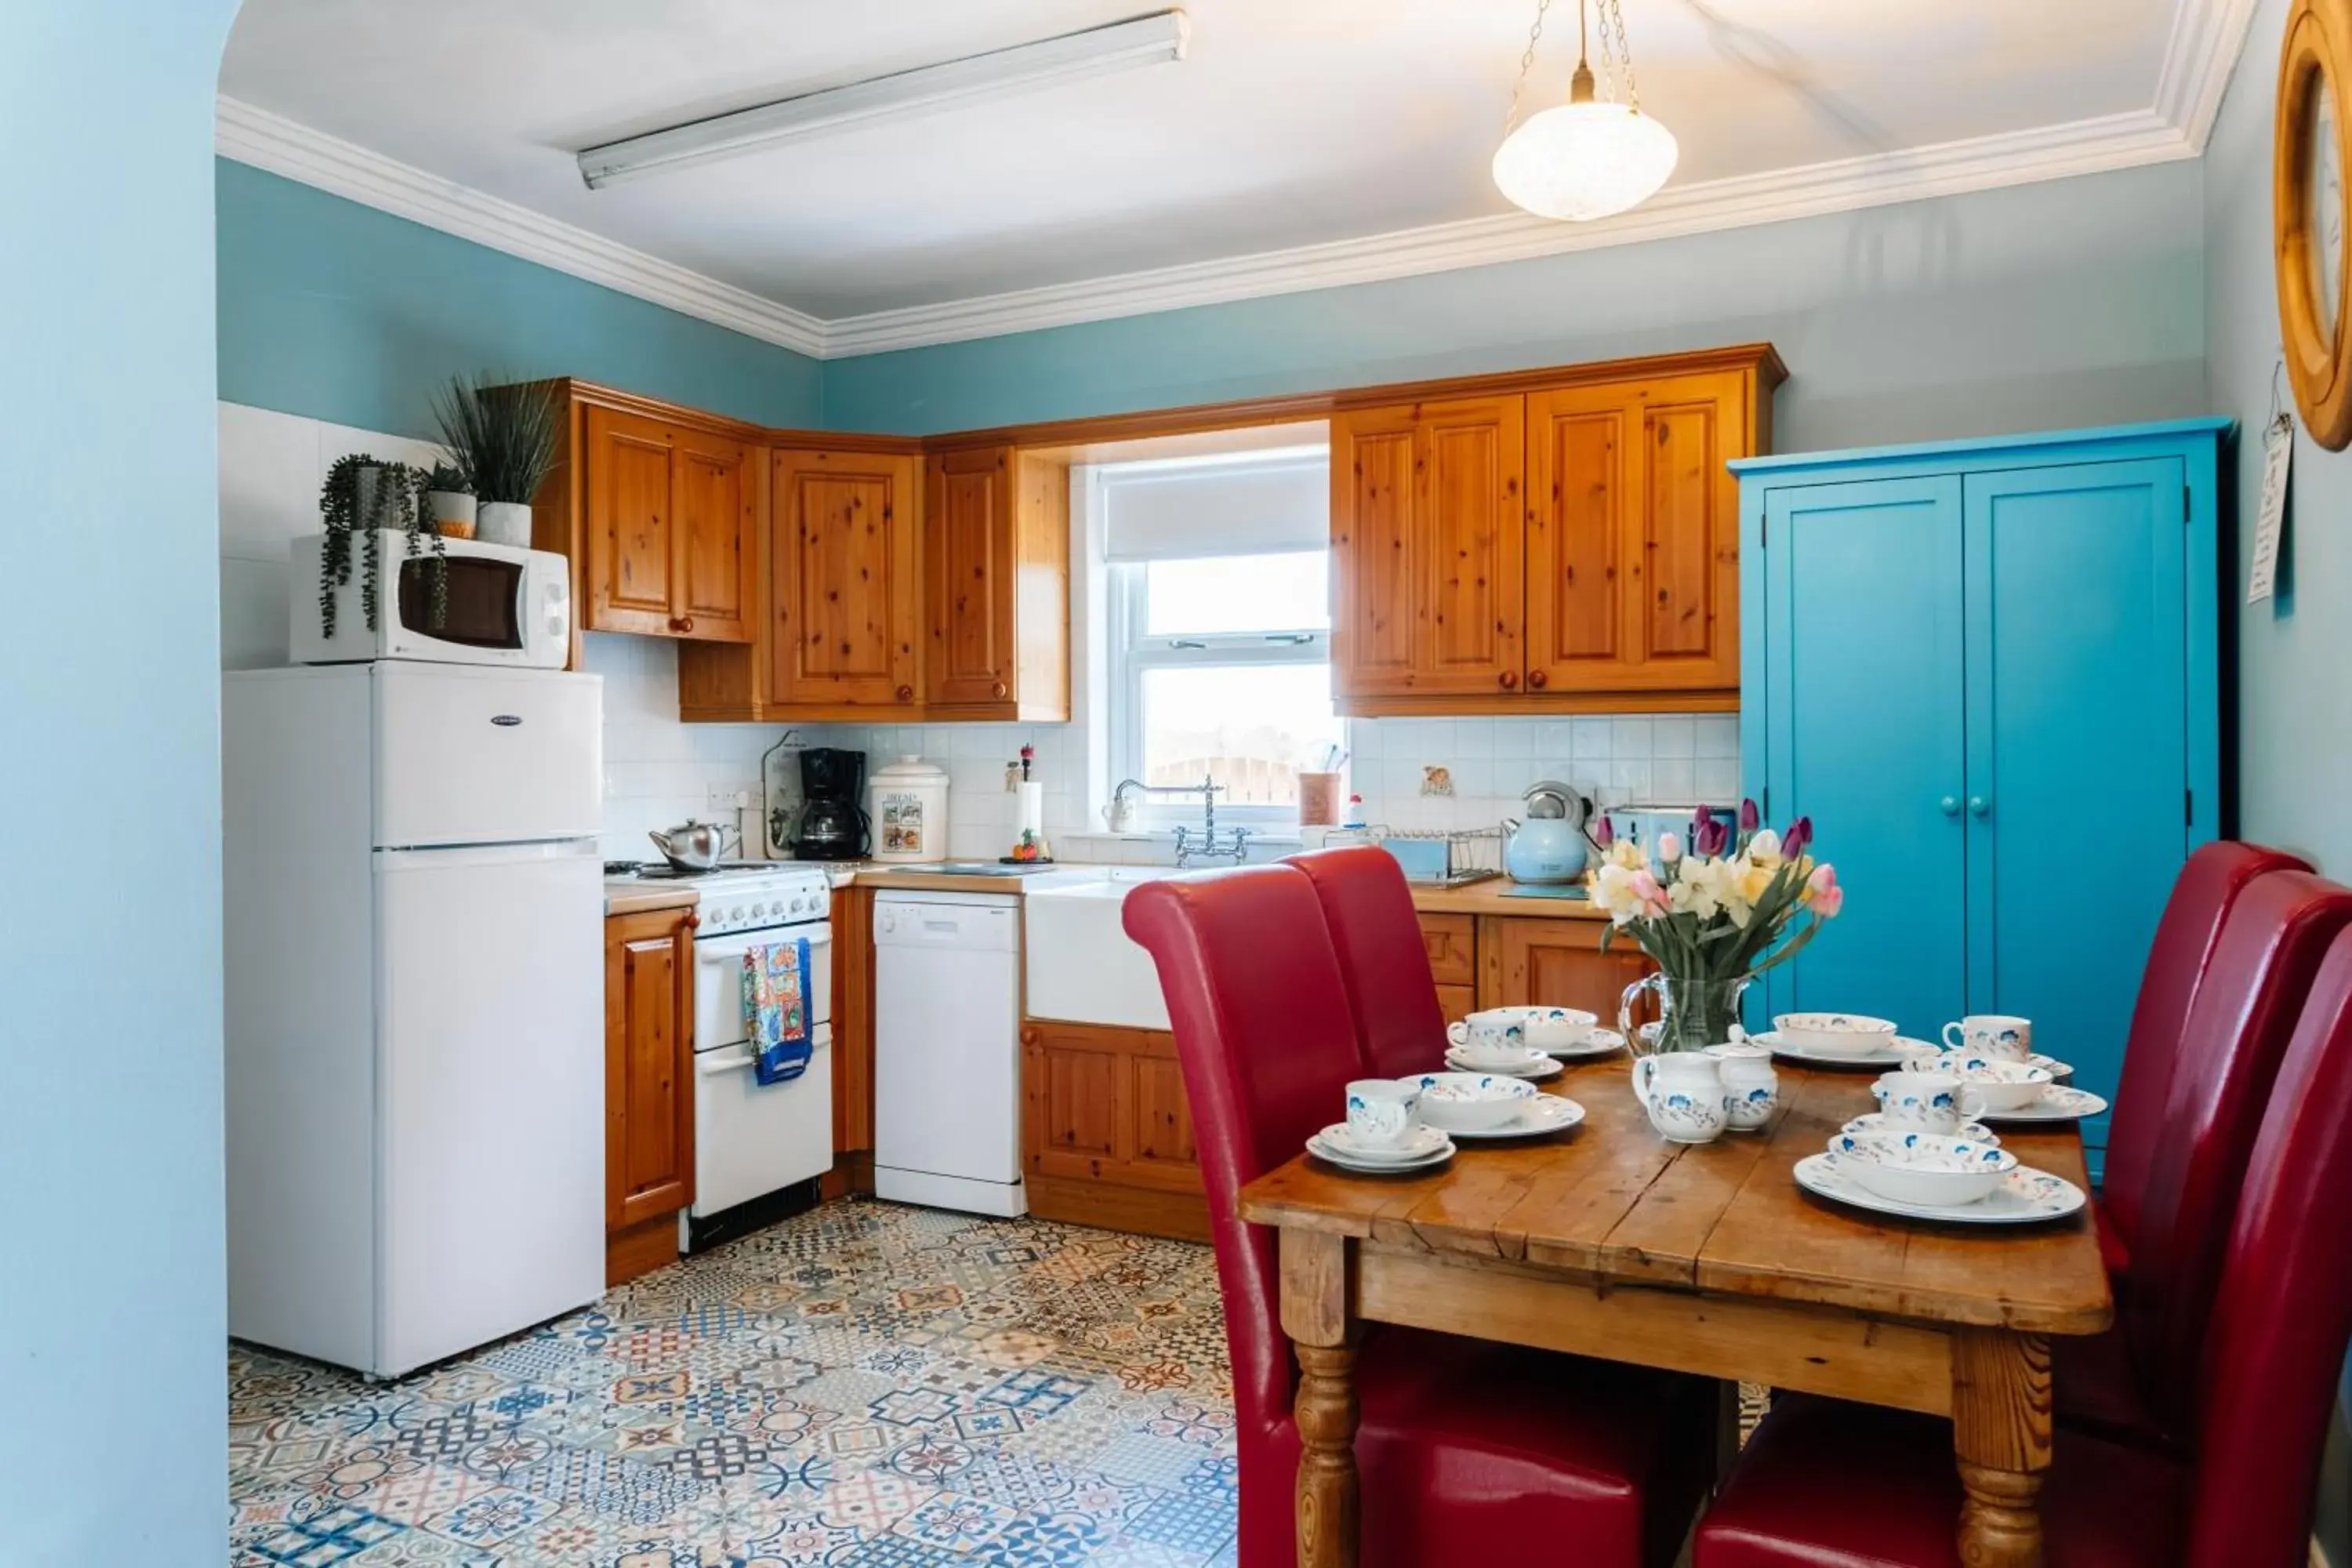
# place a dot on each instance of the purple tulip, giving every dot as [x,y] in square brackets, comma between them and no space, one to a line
[1751,819]
[1800,834]
[1712,836]
[1602,834]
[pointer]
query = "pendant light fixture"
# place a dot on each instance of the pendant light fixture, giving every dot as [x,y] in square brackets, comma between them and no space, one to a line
[1592,156]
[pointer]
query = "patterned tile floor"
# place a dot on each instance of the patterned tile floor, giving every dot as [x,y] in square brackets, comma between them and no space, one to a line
[867,1386]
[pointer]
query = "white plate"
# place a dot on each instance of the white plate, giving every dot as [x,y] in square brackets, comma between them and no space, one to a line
[1892,1055]
[1596,1043]
[1322,1149]
[2058,1103]
[1421,1141]
[1536,1064]
[2025,1197]
[1544,1113]
[1875,1122]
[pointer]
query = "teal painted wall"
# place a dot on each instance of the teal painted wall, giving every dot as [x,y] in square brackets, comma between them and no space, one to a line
[340,312]
[2294,694]
[2077,303]
[113,1449]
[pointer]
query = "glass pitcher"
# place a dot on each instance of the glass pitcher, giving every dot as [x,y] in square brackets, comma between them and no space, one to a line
[1692,1014]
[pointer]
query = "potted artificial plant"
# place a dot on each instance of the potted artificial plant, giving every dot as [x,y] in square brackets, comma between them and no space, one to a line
[449,502]
[366,497]
[502,438]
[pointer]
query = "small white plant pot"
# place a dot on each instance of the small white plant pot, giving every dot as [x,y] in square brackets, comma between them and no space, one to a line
[451,512]
[506,523]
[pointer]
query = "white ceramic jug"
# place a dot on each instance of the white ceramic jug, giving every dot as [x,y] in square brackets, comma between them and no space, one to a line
[1684,1093]
[1751,1089]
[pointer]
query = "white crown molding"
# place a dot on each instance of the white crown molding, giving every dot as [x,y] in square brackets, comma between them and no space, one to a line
[2206,39]
[283,146]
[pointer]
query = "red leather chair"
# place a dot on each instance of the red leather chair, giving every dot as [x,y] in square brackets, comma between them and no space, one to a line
[1400,1028]
[2132,1383]
[2186,939]
[1467,1452]
[1828,1485]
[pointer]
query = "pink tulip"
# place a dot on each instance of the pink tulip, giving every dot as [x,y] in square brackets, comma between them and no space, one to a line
[1602,834]
[1646,888]
[1751,819]
[1826,897]
[1800,834]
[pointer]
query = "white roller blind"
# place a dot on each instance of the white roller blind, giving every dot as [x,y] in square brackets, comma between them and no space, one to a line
[1257,507]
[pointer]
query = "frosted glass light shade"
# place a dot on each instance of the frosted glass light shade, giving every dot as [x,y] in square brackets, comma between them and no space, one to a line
[1583,161]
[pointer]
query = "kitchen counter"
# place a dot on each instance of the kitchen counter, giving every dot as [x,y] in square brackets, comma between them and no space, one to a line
[627,896]
[915,877]
[1492,897]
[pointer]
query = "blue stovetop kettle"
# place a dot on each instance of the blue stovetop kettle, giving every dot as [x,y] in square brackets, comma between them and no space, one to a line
[1551,845]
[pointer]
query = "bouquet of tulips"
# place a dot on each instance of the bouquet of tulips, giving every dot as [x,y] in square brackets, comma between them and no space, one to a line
[1715,907]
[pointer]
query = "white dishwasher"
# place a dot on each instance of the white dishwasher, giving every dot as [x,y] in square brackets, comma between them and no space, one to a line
[947,1051]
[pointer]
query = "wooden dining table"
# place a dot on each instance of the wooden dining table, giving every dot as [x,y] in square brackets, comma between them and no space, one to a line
[1607,1241]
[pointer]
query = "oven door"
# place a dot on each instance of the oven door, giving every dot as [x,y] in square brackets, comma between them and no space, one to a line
[719,980]
[750,1138]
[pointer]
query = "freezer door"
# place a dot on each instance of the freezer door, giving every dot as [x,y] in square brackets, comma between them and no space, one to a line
[466,756]
[490,1085]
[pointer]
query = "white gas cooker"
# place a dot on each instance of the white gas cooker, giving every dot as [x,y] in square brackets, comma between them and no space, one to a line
[743,895]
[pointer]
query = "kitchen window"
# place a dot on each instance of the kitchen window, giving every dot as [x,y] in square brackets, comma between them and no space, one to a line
[1220,632]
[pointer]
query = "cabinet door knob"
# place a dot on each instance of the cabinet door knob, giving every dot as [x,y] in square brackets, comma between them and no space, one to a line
[693,922]
[681,622]
[1979,805]
[1949,805]
[1535,679]
[1509,678]
[997,690]
[906,694]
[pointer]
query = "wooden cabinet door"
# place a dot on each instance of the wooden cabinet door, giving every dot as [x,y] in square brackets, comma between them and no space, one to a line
[716,510]
[631,524]
[649,1066]
[848,588]
[1546,962]
[968,579]
[1107,1104]
[1428,532]
[1633,555]
[853,1021]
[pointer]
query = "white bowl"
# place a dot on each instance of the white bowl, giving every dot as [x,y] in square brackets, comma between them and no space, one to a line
[1924,1168]
[1547,1026]
[1834,1034]
[1472,1101]
[2000,1086]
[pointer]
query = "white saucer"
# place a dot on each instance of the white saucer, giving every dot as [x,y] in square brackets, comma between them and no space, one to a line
[1894,1054]
[1533,1064]
[2058,1103]
[2025,1197]
[2059,1071]
[1544,1113]
[1875,1122]
[1425,1148]
[1596,1043]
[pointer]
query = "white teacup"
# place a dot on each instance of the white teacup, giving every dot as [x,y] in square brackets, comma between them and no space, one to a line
[1381,1111]
[1496,1037]
[1996,1034]
[1931,1102]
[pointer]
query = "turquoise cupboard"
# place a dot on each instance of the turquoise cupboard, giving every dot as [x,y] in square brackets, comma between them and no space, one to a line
[1990,672]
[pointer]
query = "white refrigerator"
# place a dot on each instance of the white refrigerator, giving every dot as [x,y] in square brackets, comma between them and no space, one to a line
[413,945]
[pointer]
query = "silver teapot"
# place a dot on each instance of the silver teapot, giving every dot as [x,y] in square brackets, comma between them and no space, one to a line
[694,846]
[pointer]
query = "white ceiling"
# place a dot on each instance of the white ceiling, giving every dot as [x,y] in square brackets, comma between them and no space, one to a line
[1293,123]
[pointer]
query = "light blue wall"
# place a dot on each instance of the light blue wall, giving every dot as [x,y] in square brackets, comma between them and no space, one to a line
[2077,303]
[2294,655]
[340,312]
[113,1445]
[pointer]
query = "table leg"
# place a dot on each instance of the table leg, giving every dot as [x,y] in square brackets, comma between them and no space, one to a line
[2000,1439]
[1317,1314]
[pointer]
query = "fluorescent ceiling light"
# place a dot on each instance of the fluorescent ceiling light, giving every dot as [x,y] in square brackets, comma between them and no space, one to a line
[1098,51]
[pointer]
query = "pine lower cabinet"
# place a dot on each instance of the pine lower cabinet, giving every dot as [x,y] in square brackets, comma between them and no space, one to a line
[1990,673]
[648,1087]
[1106,1133]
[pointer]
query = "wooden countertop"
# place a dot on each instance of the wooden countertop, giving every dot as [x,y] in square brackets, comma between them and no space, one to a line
[1492,897]
[628,897]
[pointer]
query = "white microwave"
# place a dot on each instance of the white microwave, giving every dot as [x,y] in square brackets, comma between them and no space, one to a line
[499,605]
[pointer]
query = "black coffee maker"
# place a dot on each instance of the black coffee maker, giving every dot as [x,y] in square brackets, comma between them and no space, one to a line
[832,823]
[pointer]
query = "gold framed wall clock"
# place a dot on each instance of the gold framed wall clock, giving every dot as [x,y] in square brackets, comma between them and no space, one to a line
[2310,215]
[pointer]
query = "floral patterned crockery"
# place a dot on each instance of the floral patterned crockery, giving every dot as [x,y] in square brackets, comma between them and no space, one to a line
[1928,1101]
[1472,1102]
[1873,1122]
[1834,1034]
[2024,1196]
[2000,1087]
[1998,1035]
[1683,1091]
[1927,1168]
[1751,1089]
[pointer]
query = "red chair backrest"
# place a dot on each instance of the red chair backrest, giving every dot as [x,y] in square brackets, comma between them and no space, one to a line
[2284,1314]
[2185,940]
[2245,1010]
[1268,1047]
[1400,1028]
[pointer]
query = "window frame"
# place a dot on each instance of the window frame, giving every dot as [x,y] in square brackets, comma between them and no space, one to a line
[1130,653]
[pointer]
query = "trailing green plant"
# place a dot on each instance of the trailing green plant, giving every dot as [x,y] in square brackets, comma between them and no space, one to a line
[502,438]
[392,505]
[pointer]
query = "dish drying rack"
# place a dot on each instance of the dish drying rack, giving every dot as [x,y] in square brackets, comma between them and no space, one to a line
[1434,857]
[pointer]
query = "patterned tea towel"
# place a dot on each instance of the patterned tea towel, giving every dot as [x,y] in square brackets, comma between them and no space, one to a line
[775,1009]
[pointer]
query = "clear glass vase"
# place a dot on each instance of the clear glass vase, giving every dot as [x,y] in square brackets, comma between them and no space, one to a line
[1692,1014]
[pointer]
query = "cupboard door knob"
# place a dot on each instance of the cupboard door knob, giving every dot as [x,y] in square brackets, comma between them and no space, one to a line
[693,922]
[1509,678]
[997,691]
[687,623]
[1536,680]
[1979,805]
[1949,805]
[906,694]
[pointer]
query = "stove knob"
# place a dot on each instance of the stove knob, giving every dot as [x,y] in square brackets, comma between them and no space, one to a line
[799,904]
[736,913]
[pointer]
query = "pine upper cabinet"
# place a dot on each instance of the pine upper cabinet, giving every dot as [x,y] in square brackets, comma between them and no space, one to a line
[669,526]
[1427,541]
[1632,551]
[996,586]
[1990,672]
[846,584]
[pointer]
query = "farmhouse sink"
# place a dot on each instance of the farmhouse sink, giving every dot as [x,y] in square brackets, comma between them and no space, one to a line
[1081,966]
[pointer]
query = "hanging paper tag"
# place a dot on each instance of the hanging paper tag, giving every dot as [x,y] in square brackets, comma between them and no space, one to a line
[2278,451]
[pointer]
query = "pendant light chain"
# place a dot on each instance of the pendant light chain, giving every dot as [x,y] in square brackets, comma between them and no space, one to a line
[1611,16]
[1527,60]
